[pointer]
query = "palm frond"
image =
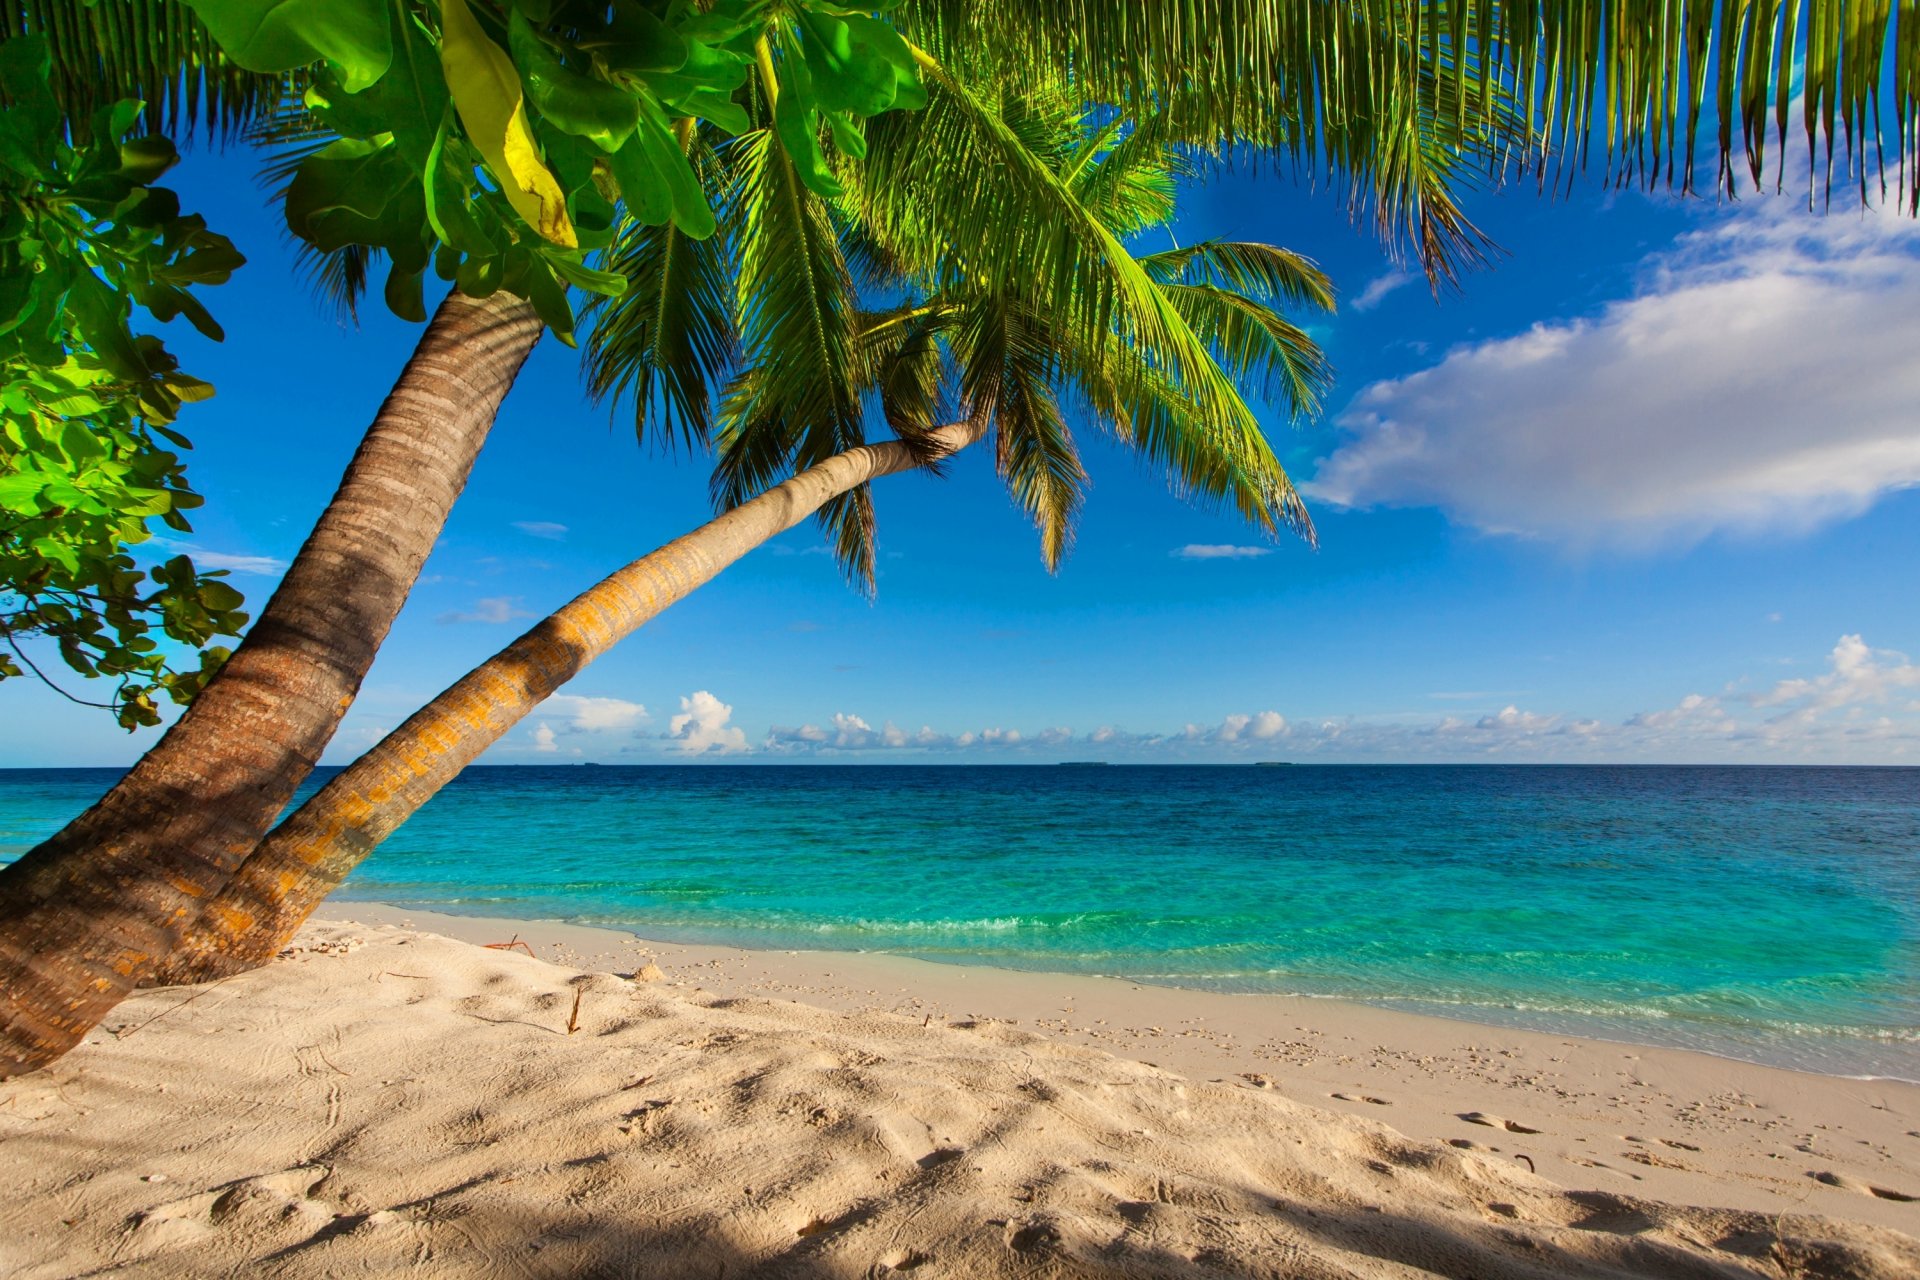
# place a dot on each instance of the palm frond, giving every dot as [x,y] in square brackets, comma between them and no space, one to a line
[900,358]
[667,341]
[1334,89]
[798,401]
[1009,220]
[1257,270]
[1133,184]
[1205,459]
[1258,345]
[1033,450]
[1383,90]
[155,50]
[339,277]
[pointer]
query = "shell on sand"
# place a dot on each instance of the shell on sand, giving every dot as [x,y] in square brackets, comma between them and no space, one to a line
[417,1104]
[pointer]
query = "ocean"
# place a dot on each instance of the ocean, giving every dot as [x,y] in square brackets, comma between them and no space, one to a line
[1765,913]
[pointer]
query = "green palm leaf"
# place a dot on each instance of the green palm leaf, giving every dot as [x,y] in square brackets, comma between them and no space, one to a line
[669,338]
[154,50]
[798,403]
[1528,83]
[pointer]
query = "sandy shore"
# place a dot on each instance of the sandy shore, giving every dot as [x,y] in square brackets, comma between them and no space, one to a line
[387,1100]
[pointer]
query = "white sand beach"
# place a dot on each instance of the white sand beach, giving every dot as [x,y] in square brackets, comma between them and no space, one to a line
[390,1100]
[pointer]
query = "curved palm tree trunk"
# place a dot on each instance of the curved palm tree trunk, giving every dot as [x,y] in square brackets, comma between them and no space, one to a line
[89,912]
[314,849]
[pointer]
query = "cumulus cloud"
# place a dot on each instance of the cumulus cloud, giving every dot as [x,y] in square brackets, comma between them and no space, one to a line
[1694,710]
[1857,676]
[1218,551]
[702,727]
[493,609]
[1256,728]
[544,739]
[595,715]
[1761,379]
[541,529]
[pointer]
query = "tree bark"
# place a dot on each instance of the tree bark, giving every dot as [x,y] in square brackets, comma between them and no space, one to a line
[88,913]
[313,850]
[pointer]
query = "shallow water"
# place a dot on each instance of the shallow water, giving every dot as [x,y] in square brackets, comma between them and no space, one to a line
[1771,914]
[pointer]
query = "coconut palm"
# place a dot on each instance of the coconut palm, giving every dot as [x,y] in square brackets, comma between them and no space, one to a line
[83,912]
[996,352]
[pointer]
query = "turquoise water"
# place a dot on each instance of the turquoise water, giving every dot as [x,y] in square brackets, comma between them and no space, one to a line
[1765,913]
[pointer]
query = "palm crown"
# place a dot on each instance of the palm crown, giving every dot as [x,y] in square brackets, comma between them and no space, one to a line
[976,266]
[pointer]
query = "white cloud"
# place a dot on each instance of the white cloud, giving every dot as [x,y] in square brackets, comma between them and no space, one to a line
[1255,728]
[702,728]
[541,529]
[1218,551]
[1857,676]
[492,609]
[1762,379]
[1694,710]
[1378,288]
[204,558]
[543,738]
[595,715]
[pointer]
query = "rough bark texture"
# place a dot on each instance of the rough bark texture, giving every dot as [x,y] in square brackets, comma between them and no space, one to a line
[314,849]
[87,914]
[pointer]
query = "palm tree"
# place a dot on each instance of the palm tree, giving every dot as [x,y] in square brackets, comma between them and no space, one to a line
[84,913]
[986,351]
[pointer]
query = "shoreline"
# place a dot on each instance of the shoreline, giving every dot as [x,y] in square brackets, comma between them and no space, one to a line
[1675,1124]
[1411,1007]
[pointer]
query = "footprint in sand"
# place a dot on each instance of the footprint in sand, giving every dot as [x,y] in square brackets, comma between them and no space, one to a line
[1361,1097]
[1495,1122]
[1848,1183]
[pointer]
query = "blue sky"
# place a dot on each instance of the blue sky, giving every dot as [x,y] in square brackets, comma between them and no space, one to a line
[1643,491]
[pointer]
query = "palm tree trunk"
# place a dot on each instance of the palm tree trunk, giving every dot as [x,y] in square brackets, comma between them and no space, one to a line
[85,915]
[314,849]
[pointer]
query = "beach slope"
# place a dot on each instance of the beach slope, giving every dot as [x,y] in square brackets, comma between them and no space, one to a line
[391,1101]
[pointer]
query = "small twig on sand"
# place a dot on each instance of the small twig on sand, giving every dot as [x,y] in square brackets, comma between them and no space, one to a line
[1528,1159]
[124,1032]
[573,1019]
[509,945]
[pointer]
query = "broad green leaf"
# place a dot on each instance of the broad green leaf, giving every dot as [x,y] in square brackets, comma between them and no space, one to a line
[691,212]
[642,188]
[718,109]
[486,93]
[637,41]
[577,103]
[607,283]
[143,160]
[279,35]
[447,191]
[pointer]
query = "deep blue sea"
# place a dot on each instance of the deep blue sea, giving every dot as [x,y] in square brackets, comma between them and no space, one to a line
[1765,913]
